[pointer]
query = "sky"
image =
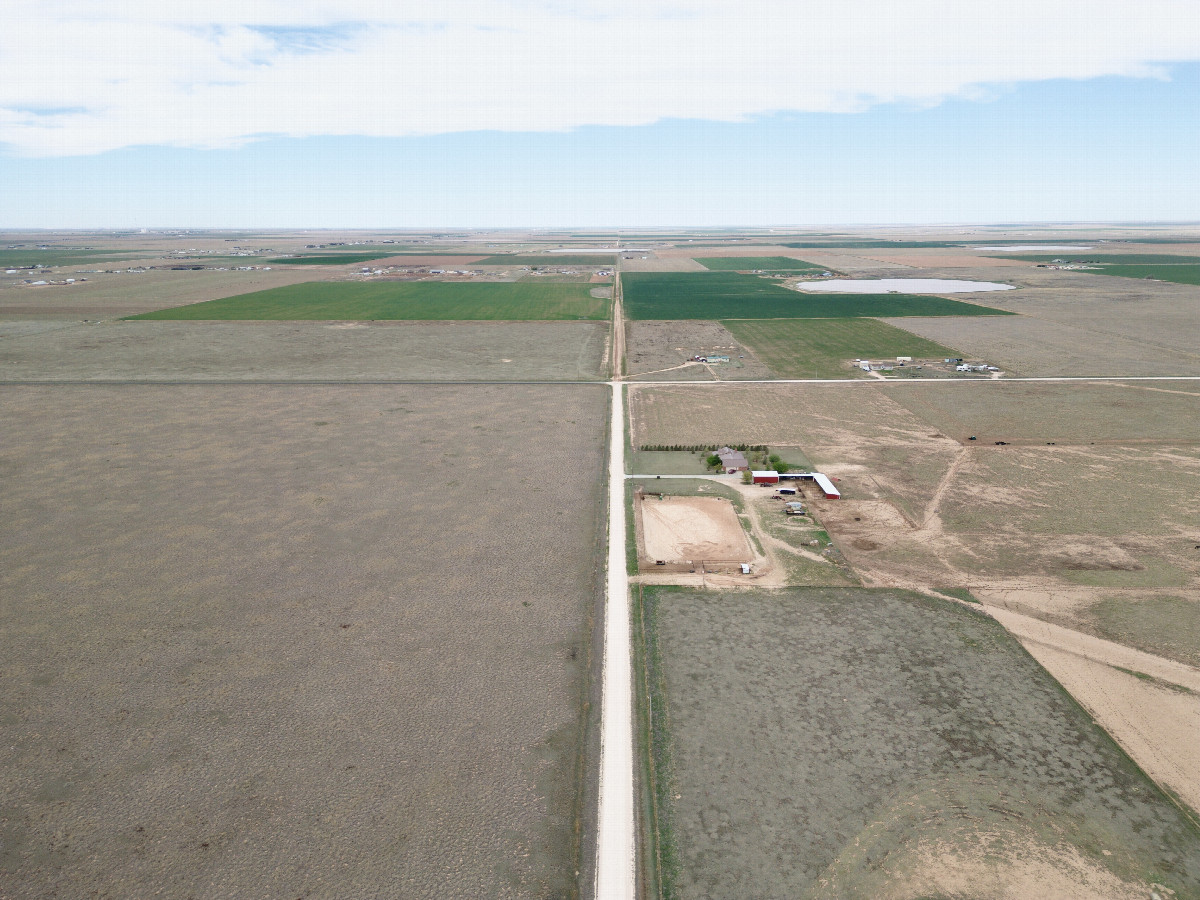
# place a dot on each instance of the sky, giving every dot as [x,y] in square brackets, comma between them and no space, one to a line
[373,114]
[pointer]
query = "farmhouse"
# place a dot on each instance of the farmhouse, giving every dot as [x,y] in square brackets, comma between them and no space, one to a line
[732,460]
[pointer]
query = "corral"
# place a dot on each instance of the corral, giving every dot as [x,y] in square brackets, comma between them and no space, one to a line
[857,743]
[300,640]
[342,301]
[696,531]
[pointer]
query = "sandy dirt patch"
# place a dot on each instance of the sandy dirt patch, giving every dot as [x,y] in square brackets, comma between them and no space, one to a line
[1155,723]
[681,529]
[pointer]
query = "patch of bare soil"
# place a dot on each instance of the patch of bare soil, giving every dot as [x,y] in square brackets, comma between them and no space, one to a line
[683,529]
[1156,721]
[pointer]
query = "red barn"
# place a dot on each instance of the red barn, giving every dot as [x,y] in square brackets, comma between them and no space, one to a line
[765,477]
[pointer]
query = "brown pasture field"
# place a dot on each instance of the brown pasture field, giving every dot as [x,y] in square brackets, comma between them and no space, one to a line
[297,641]
[315,351]
[1082,413]
[113,295]
[836,743]
[1028,346]
[1162,316]
[664,348]
[940,259]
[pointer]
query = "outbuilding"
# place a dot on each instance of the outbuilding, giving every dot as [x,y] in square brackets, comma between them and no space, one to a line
[826,486]
[765,477]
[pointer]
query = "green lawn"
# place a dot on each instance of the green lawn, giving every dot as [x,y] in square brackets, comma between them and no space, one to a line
[758,263]
[588,260]
[729,295]
[820,348]
[337,300]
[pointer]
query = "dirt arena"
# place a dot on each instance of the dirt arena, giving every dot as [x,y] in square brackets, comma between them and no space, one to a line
[682,529]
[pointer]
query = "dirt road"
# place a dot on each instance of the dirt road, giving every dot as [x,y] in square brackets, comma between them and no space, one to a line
[615,854]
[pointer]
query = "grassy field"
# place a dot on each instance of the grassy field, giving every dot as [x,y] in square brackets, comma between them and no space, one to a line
[297,641]
[1105,413]
[584,260]
[1177,274]
[821,348]
[729,295]
[829,743]
[344,301]
[66,256]
[300,351]
[1025,345]
[759,263]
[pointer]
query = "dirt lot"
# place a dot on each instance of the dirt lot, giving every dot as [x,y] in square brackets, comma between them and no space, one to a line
[853,743]
[661,350]
[296,641]
[685,529]
[400,351]
[107,296]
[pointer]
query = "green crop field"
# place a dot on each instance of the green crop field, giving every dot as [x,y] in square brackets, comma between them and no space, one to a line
[589,260]
[65,256]
[758,263]
[1176,274]
[820,348]
[400,300]
[729,295]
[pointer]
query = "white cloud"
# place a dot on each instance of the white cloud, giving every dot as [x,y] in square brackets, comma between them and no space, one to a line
[92,75]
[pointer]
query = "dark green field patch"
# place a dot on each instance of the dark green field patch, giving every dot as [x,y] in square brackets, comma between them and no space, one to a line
[587,260]
[729,295]
[66,256]
[1175,274]
[346,301]
[758,264]
[821,348]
